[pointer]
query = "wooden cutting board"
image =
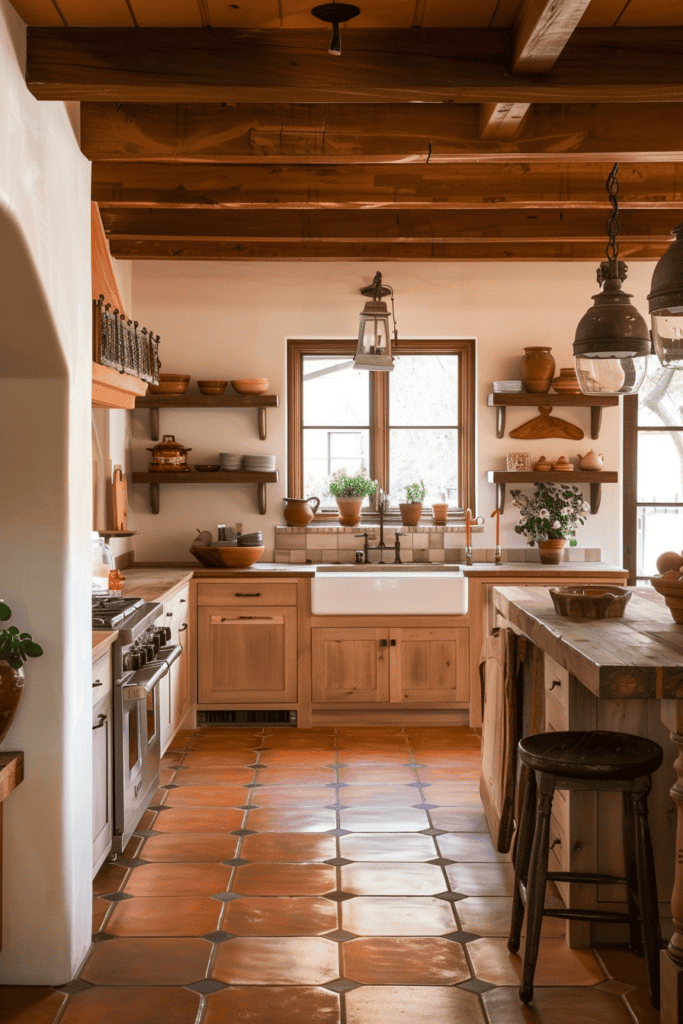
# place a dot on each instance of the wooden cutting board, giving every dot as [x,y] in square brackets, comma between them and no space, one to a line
[119,500]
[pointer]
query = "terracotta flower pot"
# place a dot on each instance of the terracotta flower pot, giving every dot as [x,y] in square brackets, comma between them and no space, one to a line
[537,368]
[11,689]
[411,513]
[349,511]
[440,512]
[551,550]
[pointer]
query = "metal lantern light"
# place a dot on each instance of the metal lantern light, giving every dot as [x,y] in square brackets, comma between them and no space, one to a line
[335,14]
[666,304]
[612,342]
[374,338]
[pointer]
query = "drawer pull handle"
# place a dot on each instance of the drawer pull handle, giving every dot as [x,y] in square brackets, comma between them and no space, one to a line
[393,643]
[555,682]
[183,628]
[102,720]
[97,683]
[183,601]
[383,643]
[555,842]
[169,615]
[247,595]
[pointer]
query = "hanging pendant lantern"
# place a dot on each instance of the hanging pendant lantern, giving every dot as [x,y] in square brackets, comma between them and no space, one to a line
[612,342]
[374,337]
[666,304]
[334,14]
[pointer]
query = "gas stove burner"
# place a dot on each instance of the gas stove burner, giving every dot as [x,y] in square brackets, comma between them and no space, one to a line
[109,612]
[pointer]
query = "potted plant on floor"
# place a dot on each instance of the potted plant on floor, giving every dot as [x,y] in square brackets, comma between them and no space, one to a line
[15,648]
[411,508]
[350,491]
[550,518]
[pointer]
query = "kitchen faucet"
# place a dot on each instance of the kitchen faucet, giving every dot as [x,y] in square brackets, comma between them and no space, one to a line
[382,502]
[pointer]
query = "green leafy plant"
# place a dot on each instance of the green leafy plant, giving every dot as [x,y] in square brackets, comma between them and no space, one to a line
[553,513]
[415,493]
[15,647]
[358,485]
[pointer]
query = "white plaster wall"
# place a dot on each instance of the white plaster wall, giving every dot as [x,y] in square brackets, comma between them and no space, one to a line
[230,320]
[45,511]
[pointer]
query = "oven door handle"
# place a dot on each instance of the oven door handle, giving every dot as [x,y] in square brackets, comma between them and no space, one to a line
[169,654]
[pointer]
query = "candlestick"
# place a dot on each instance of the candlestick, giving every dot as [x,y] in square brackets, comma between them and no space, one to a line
[468,522]
[496,513]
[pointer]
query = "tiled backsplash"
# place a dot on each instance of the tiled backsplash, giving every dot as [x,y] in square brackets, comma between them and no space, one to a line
[302,544]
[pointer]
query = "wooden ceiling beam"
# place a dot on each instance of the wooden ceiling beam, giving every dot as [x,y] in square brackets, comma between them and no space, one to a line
[375,133]
[378,66]
[389,186]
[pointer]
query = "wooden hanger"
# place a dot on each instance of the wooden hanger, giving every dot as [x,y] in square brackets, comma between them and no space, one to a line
[546,425]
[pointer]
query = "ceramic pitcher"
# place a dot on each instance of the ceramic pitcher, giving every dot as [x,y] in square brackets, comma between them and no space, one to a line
[591,461]
[300,511]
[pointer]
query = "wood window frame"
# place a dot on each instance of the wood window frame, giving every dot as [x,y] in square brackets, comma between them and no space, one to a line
[379,409]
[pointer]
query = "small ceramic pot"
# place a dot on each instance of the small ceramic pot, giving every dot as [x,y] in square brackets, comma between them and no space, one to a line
[537,368]
[300,511]
[543,465]
[440,512]
[551,550]
[591,461]
[349,510]
[567,383]
[11,689]
[169,456]
[411,513]
[563,464]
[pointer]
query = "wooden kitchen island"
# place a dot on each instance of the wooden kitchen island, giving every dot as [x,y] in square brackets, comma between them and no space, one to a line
[623,674]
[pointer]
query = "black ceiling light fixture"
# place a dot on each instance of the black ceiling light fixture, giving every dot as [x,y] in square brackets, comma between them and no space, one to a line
[666,304]
[335,14]
[612,342]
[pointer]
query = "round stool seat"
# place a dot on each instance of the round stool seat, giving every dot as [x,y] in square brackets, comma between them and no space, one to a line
[591,755]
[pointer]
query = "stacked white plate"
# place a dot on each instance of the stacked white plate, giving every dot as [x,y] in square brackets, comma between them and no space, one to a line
[230,461]
[259,463]
[508,387]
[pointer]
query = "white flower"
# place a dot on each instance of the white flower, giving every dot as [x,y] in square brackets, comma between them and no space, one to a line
[544,514]
[585,506]
[556,524]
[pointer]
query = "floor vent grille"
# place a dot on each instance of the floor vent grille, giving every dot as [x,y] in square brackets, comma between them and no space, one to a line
[286,718]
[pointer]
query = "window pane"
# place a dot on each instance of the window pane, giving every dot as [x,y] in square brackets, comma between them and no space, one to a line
[659,529]
[660,399]
[660,467]
[423,391]
[429,455]
[327,450]
[335,393]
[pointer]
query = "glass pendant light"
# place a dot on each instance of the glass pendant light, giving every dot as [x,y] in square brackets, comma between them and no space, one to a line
[374,339]
[666,304]
[612,342]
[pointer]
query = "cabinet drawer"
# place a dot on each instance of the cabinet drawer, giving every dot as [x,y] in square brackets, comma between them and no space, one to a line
[556,716]
[180,604]
[101,677]
[556,681]
[245,591]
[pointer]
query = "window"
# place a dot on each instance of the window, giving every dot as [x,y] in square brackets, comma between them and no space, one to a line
[415,423]
[653,471]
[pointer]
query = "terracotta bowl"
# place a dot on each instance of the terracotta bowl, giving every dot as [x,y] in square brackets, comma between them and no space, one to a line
[254,386]
[207,468]
[212,387]
[599,602]
[672,592]
[171,384]
[226,558]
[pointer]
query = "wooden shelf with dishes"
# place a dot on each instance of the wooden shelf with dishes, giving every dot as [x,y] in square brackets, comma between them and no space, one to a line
[199,401]
[220,477]
[596,403]
[578,476]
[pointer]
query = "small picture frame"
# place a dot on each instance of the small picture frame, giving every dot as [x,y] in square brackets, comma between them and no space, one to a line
[518,462]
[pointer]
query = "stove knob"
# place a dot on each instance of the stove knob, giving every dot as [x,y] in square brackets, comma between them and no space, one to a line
[132,661]
[149,651]
[167,633]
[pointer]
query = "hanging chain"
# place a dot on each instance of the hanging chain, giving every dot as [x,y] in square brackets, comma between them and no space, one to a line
[612,186]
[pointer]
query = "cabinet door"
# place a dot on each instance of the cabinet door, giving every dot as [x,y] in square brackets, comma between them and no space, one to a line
[102,780]
[247,654]
[350,665]
[429,665]
[164,691]
[179,699]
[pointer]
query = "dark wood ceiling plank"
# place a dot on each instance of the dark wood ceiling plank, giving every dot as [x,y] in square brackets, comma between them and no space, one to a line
[293,66]
[437,186]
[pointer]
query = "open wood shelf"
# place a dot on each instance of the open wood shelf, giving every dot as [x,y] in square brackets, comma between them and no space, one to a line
[199,401]
[220,477]
[578,476]
[595,403]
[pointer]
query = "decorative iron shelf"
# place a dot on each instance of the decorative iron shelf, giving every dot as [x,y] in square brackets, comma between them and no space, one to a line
[578,476]
[221,477]
[199,401]
[595,403]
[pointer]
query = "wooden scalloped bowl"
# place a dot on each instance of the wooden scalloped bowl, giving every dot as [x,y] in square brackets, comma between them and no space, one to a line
[226,558]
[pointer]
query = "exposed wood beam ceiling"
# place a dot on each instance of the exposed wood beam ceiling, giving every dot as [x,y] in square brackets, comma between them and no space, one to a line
[447,130]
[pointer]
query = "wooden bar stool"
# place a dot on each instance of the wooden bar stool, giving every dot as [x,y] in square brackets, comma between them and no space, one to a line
[587,761]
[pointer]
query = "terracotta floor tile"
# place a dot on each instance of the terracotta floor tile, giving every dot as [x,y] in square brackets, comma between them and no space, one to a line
[490,915]
[438,1005]
[166,776]
[214,777]
[470,847]
[133,847]
[392,879]
[313,775]
[291,797]
[386,756]
[171,760]
[379,796]
[404,961]
[373,775]
[29,1005]
[443,757]
[639,1003]
[179,880]
[148,961]
[285,879]
[226,742]
[394,747]
[283,846]
[397,915]
[296,758]
[220,758]
[442,733]
[109,878]
[461,794]
[199,819]
[134,1006]
[206,796]
[273,1005]
[100,909]
[366,732]
[315,820]
[371,846]
[438,773]
[279,915]
[555,1006]
[276,961]
[557,963]
[482,879]
[453,820]
[293,741]
[622,965]
[189,846]
[164,915]
[398,819]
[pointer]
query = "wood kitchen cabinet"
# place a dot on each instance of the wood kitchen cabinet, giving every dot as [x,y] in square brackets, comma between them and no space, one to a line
[174,687]
[102,780]
[350,665]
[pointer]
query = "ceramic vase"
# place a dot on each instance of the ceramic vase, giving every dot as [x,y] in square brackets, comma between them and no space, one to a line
[349,511]
[551,550]
[11,689]
[300,511]
[440,512]
[537,367]
[411,513]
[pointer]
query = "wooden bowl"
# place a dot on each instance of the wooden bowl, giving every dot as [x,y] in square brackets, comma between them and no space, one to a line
[207,468]
[585,602]
[672,592]
[226,558]
[212,387]
[253,386]
[171,384]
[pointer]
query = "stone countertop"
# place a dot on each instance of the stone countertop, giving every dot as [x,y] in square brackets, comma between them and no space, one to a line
[102,639]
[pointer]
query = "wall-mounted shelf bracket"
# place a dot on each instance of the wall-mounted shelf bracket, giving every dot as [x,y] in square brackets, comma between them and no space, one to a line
[596,403]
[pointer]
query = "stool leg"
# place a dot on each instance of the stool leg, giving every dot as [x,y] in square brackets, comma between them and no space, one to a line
[647,890]
[525,838]
[629,839]
[535,900]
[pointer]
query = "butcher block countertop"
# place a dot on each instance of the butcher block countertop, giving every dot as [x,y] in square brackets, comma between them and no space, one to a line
[639,656]
[102,639]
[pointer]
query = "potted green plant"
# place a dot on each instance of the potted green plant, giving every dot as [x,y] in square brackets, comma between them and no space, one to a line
[411,508]
[350,491]
[550,518]
[15,648]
